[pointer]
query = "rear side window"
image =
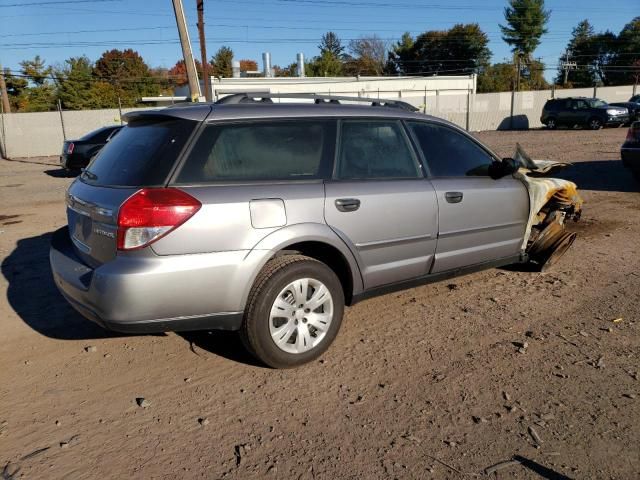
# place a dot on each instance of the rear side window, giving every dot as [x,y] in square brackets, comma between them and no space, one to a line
[449,153]
[275,150]
[141,154]
[579,105]
[373,149]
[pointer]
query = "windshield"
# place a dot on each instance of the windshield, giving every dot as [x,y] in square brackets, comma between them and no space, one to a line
[142,154]
[595,103]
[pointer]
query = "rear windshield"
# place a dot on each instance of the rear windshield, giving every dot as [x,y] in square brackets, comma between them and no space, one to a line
[98,136]
[142,154]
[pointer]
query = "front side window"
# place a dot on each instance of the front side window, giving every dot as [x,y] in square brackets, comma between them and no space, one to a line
[373,149]
[449,153]
[277,150]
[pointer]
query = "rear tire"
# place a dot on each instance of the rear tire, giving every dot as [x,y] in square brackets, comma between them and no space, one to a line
[293,313]
[552,123]
[594,123]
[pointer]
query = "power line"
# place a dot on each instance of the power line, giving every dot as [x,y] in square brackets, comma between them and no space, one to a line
[434,33]
[412,5]
[54,2]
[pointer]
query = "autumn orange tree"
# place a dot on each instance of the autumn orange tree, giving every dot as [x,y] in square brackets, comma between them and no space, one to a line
[127,74]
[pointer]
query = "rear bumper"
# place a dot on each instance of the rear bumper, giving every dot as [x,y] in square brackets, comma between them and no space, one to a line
[72,162]
[144,295]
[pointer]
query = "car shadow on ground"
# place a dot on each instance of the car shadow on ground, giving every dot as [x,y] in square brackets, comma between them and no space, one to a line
[61,173]
[515,122]
[600,175]
[34,296]
[224,344]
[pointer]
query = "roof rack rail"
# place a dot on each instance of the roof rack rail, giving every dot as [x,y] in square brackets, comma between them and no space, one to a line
[318,99]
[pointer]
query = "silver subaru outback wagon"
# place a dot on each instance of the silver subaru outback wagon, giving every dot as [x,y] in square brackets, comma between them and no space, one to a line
[268,218]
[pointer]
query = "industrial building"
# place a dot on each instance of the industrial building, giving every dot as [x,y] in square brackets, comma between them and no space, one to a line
[412,89]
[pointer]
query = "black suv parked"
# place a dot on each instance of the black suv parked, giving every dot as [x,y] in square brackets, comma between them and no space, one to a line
[592,113]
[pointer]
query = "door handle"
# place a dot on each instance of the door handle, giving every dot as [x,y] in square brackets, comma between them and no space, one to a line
[453,197]
[347,204]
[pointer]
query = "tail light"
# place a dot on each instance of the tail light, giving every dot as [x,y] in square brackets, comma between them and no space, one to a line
[70,148]
[151,213]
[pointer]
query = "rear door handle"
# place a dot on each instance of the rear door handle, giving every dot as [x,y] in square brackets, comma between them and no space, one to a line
[347,204]
[453,197]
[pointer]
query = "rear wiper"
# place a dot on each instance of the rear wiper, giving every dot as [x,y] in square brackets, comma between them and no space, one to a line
[89,175]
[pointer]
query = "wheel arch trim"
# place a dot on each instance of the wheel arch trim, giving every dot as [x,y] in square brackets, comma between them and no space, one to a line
[285,237]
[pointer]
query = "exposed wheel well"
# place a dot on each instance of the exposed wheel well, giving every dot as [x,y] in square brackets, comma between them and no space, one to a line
[330,256]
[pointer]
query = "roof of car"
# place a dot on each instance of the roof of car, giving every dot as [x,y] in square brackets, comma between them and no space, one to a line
[574,98]
[210,111]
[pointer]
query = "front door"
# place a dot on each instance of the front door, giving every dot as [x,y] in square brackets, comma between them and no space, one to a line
[380,204]
[480,219]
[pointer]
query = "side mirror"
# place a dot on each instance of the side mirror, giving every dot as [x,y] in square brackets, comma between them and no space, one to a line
[508,166]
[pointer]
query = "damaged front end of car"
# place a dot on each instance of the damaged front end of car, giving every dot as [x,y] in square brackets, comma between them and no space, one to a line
[553,202]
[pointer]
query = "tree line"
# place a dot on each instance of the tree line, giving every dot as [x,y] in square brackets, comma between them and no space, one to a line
[123,77]
[118,77]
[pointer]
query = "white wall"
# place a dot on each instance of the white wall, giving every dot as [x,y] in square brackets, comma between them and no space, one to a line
[492,111]
[39,134]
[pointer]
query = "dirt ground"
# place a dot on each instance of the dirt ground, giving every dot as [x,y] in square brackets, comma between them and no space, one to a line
[426,383]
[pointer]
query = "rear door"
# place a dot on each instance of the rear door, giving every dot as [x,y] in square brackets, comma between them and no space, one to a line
[380,203]
[253,177]
[579,112]
[480,219]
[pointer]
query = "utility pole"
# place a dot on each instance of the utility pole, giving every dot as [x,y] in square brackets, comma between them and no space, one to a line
[203,52]
[6,106]
[567,65]
[192,75]
[518,72]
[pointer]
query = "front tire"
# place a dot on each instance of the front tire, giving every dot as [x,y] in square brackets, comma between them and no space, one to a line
[294,311]
[594,123]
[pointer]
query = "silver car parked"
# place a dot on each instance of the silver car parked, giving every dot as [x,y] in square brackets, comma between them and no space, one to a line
[269,218]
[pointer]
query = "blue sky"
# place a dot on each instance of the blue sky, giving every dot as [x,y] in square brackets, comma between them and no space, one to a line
[283,27]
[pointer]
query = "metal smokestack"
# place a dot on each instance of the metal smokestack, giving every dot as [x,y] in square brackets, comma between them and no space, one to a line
[266,61]
[300,68]
[235,67]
